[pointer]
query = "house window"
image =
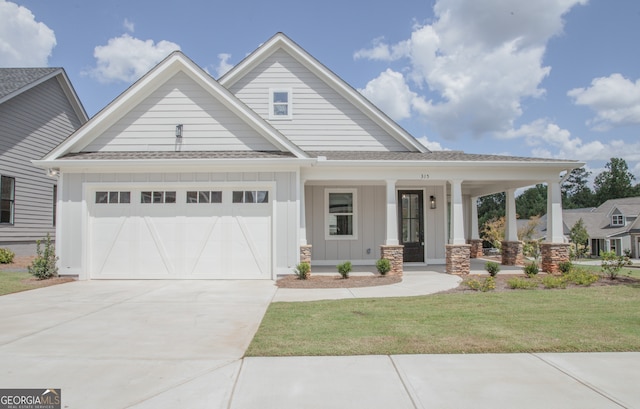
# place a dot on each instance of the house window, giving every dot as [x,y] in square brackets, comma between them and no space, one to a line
[158,197]
[280,104]
[250,196]
[340,216]
[7,199]
[204,196]
[113,197]
[617,220]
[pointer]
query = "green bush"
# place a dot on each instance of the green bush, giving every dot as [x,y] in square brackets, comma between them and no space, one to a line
[344,269]
[554,282]
[6,256]
[612,263]
[383,265]
[580,276]
[302,270]
[44,265]
[519,283]
[487,284]
[492,268]
[565,267]
[531,269]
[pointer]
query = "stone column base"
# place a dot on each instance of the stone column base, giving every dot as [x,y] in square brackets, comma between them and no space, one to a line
[393,253]
[458,260]
[476,248]
[305,255]
[552,255]
[512,254]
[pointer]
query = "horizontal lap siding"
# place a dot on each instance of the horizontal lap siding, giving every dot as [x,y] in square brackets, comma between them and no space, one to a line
[33,123]
[322,118]
[207,123]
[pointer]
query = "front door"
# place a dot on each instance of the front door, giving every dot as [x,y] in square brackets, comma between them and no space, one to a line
[411,224]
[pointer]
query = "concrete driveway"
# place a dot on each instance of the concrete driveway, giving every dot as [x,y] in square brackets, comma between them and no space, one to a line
[117,344]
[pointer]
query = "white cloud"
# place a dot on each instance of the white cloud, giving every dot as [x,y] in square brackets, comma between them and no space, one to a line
[391,94]
[478,61]
[223,65]
[126,58]
[615,100]
[432,146]
[128,25]
[24,42]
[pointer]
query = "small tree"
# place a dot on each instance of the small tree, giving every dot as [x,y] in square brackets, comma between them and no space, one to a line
[44,265]
[579,237]
[493,232]
[612,263]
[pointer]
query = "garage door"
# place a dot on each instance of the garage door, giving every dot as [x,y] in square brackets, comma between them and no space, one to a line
[166,233]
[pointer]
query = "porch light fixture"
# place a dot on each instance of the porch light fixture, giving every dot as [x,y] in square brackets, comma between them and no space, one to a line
[53,172]
[179,131]
[432,200]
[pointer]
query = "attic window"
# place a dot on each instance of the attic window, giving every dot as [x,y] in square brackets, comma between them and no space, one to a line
[280,104]
[617,220]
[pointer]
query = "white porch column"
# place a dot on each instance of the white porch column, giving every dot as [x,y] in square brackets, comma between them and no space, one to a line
[511,227]
[392,215]
[457,213]
[303,214]
[475,235]
[554,213]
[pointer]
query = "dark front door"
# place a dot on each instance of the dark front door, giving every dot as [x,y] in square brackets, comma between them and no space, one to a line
[411,224]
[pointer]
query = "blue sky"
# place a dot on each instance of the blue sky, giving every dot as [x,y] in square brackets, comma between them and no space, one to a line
[544,78]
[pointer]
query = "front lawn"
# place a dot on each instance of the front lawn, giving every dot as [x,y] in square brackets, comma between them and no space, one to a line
[591,319]
[13,282]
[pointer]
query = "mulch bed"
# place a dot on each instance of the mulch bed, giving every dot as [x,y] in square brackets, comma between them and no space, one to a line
[20,263]
[325,281]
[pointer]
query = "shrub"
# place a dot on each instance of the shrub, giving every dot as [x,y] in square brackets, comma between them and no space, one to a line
[44,265]
[612,263]
[531,269]
[488,284]
[6,256]
[383,265]
[565,267]
[519,283]
[580,276]
[554,282]
[492,268]
[344,269]
[302,270]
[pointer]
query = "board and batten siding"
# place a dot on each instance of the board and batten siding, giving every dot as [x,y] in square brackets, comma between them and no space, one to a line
[32,124]
[73,210]
[322,118]
[207,124]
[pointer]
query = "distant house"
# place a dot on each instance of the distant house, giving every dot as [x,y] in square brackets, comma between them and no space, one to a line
[38,110]
[613,226]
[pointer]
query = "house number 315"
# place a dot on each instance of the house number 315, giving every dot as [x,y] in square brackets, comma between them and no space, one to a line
[424,176]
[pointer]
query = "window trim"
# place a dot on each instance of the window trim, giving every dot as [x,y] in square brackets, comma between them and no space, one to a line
[354,214]
[617,220]
[11,200]
[272,104]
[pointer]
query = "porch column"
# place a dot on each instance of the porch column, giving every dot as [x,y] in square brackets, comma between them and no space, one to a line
[474,241]
[512,253]
[457,251]
[391,249]
[305,249]
[555,250]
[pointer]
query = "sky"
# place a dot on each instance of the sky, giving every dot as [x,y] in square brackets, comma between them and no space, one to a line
[543,78]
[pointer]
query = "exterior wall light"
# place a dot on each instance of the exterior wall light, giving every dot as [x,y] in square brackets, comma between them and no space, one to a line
[432,200]
[179,131]
[53,172]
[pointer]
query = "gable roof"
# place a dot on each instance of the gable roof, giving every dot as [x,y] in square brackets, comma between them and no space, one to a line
[597,220]
[15,81]
[281,42]
[174,63]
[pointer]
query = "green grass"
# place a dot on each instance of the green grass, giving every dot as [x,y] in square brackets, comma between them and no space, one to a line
[13,282]
[626,271]
[572,320]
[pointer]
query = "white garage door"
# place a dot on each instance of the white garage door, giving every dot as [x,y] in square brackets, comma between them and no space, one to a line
[167,233]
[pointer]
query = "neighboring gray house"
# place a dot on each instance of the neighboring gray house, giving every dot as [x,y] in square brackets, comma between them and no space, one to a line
[38,109]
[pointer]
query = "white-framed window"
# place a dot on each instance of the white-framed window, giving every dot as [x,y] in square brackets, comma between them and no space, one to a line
[7,199]
[113,197]
[341,214]
[280,104]
[617,220]
[204,196]
[250,196]
[158,197]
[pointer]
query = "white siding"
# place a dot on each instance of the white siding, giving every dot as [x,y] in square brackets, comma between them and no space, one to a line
[207,124]
[322,118]
[32,124]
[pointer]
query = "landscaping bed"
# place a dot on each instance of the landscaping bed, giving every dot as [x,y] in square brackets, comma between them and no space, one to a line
[335,281]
